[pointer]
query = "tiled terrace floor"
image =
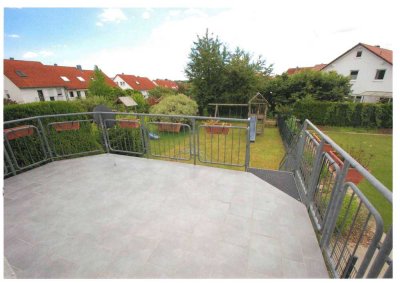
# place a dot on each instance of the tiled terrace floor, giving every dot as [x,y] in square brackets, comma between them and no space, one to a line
[112,216]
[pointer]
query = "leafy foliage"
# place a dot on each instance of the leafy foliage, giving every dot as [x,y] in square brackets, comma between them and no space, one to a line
[176,105]
[98,85]
[321,86]
[160,91]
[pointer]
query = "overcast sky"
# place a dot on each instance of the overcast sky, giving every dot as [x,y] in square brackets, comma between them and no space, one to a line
[155,40]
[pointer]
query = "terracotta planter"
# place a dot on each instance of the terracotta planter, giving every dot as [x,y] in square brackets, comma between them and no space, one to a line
[66,126]
[352,174]
[222,128]
[19,132]
[174,128]
[327,147]
[129,124]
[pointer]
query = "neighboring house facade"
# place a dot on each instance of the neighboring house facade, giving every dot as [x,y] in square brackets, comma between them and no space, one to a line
[371,71]
[166,83]
[141,84]
[32,81]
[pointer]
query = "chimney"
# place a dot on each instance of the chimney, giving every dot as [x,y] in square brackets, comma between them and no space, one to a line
[378,46]
[11,58]
[79,67]
[55,64]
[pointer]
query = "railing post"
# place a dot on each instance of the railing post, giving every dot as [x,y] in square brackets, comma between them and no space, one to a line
[193,139]
[46,142]
[300,147]
[145,136]
[334,206]
[8,159]
[103,129]
[382,255]
[247,161]
[313,182]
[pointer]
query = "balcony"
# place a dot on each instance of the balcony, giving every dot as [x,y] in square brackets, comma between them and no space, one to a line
[81,201]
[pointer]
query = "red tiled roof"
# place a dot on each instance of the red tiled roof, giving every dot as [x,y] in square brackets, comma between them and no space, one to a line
[167,83]
[385,54]
[296,70]
[39,75]
[137,83]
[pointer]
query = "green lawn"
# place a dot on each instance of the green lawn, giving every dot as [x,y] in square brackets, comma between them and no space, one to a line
[380,146]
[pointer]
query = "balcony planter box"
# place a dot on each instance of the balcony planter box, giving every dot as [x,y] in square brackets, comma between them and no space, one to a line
[129,124]
[173,128]
[222,128]
[352,174]
[18,132]
[67,126]
[327,147]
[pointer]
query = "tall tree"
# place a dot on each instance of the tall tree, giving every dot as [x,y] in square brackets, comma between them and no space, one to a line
[98,85]
[205,69]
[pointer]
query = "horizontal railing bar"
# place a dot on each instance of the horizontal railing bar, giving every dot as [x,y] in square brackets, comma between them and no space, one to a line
[226,104]
[131,114]
[353,163]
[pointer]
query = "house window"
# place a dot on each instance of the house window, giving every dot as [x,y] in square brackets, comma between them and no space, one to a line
[7,94]
[78,93]
[40,94]
[65,79]
[359,53]
[52,98]
[353,74]
[358,99]
[86,93]
[71,94]
[380,74]
[81,79]
[59,91]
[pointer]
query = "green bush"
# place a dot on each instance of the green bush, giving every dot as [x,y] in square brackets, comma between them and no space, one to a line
[175,105]
[160,91]
[350,114]
[19,111]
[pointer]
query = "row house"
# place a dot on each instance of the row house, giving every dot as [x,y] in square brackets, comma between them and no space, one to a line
[32,81]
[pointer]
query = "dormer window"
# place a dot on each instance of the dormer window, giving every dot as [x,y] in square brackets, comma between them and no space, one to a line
[65,79]
[81,79]
[359,53]
[20,73]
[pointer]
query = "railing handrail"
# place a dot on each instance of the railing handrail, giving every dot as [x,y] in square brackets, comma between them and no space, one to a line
[126,113]
[354,163]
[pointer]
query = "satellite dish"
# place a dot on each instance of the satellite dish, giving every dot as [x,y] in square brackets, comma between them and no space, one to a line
[106,117]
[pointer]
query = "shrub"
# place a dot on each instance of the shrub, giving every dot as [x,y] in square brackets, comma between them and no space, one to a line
[19,111]
[160,91]
[175,105]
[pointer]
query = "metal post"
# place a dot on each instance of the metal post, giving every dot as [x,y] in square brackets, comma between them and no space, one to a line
[8,159]
[334,206]
[193,139]
[247,161]
[103,129]
[145,136]
[42,130]
[313,182]
[382,256]
[300,147]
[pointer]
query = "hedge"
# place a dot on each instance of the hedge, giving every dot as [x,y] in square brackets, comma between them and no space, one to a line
[367,115]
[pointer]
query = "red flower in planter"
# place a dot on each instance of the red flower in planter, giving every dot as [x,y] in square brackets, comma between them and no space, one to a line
[19,132]
[66,126]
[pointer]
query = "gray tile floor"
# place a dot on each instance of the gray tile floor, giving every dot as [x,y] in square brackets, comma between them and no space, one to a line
[112,216]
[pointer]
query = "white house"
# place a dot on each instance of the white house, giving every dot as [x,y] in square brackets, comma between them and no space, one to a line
[141,84]
[31,81]
[371,71]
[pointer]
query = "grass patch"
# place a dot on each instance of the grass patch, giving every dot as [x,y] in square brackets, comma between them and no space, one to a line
[381,164]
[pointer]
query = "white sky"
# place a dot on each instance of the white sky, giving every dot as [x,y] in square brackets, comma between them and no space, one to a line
[286,33]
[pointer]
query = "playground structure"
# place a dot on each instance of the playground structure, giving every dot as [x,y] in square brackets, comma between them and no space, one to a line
[256,109]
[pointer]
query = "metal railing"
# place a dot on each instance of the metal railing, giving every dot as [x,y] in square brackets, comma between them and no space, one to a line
[30,142]
[349,228]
